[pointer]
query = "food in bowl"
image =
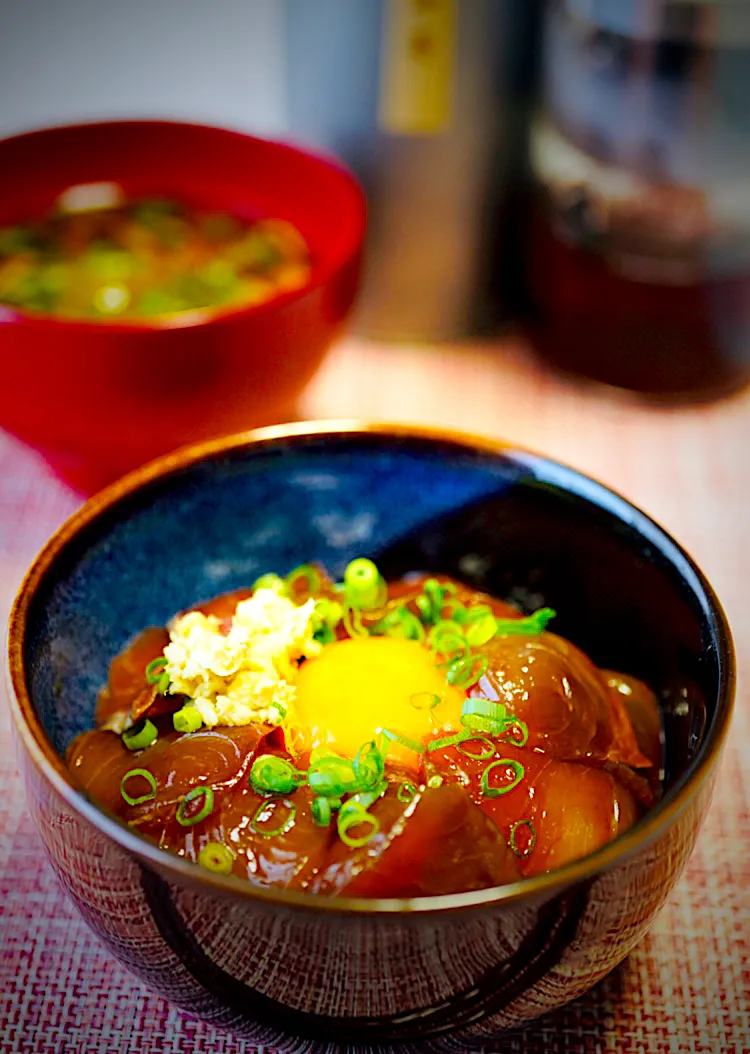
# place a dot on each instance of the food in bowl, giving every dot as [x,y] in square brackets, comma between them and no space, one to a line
[99,255]
[369,739]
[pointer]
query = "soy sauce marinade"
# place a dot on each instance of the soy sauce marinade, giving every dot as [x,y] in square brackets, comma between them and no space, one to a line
[368,739]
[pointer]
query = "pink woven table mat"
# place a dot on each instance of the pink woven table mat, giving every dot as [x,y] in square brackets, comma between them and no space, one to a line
[686,987]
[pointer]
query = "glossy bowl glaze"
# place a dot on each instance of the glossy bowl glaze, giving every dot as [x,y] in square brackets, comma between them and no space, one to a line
[99,398]
[274,965]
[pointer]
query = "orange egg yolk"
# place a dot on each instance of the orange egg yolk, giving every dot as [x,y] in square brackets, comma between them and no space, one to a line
[357,687]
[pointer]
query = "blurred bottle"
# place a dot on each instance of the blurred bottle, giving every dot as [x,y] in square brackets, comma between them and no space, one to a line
[638,259]
[410,94]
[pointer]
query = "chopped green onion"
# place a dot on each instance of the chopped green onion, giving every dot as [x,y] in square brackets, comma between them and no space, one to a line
[425,700]
[432,599]
[523,729]
[306,574]
[366,798]
[155,669]
[400,622]
[141,735]
[404,741]
[508,764]
[512,842]
[484,715]
[187,719]
[353,622]
[406,792]
[332,776]
[265,812]
[468,616]
[482,630]
[448,741]
[369,764]
[144,774]
[324,634]
[189,820]
[447,638]
[321,811]
[364,585]
[328,614]
[216,857]
[351,818]
[270,774]
[424,607]
[270,581]
[435,781]
[463,673]
[485,754]
[531,626]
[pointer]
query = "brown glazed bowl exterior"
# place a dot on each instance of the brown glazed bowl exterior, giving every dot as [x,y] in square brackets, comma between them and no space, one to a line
[292,969]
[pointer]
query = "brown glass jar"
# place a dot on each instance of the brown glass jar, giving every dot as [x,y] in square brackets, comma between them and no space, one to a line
[638,253]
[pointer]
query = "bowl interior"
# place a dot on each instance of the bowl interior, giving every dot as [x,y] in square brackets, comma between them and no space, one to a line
[510,522]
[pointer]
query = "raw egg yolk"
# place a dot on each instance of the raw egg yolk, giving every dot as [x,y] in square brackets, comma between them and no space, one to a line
[356,687]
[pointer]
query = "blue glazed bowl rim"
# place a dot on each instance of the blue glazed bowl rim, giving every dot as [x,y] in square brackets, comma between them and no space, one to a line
[528,890]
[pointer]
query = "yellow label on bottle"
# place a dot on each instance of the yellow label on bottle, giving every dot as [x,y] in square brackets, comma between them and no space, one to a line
[417,66]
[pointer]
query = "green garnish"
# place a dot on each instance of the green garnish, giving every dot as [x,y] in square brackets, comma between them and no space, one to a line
[487,751]
[399,622]
[432,600]
[484,715]
[481,630]
[530,626]
[447,638]
[523,853]
[367,798]
[321,811]
[435,781]
[265,812]
[143,774]
[216,857]
[523,729]
[328,614]
[448,741]
[459,739]
[508,764]
[463,673]
[187,719]
[353,815]
[189,819]
[270,581]
[304,576]
[156,673]
[404,741]
[353,622]
[406,792]
[369,765]
[270,774]
[364,586]
[332,776]
[140,735]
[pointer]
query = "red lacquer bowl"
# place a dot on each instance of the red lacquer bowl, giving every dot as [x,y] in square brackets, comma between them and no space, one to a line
[99,398]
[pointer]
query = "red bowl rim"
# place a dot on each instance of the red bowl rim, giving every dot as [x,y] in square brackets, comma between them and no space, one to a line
[201,317]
